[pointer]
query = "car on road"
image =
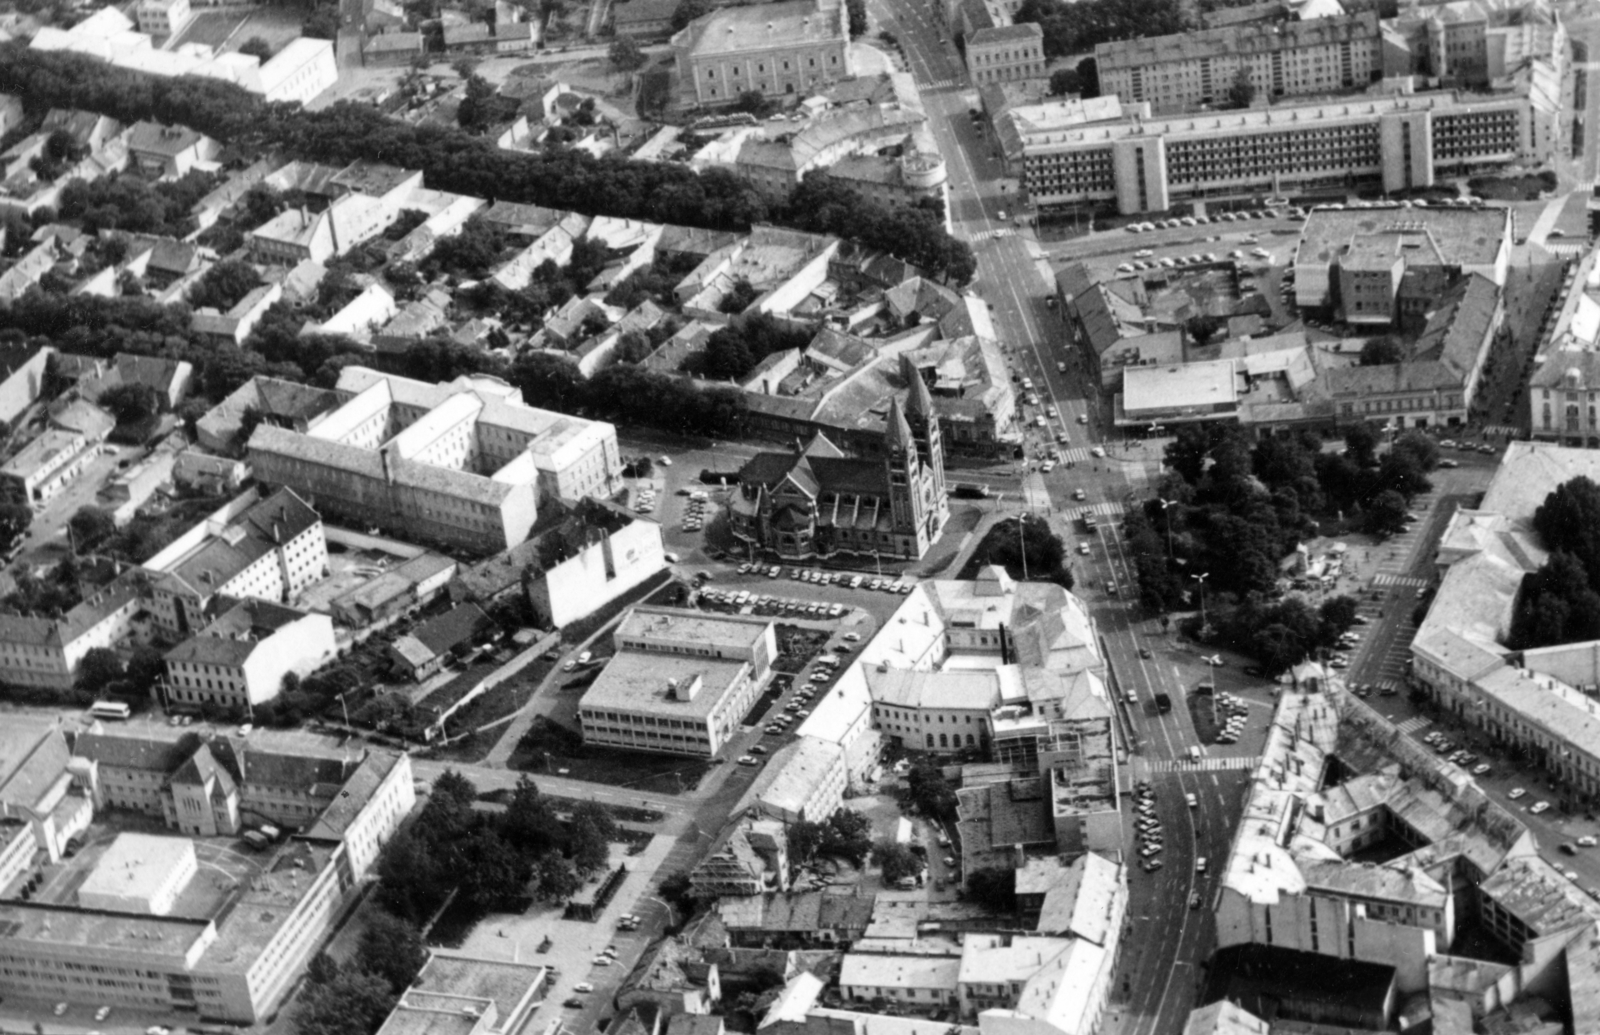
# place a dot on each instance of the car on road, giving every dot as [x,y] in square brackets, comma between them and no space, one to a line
[60,1009]
[1517,792]
[1538,807]
[1083,549]
[601,961]
[583,986]
[1587,841]
[1481,769]
[1190,800]
[1194,900]
[102,1013]
[1144,652]
[749,760]
[573,1003]
[1098,451]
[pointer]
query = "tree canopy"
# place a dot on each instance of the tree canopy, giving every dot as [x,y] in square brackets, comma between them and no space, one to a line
[1072,28]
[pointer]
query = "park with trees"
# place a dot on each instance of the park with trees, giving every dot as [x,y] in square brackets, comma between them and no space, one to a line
[1231,508]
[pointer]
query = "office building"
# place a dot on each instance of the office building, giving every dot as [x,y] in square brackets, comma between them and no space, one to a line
[1290,58]
[185,921]
[680,682]
[787,49]
[463,464]
[1475,42]
[1377,266]
[1401,141]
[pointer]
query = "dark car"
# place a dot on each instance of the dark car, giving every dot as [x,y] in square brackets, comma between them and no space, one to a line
[573,1003]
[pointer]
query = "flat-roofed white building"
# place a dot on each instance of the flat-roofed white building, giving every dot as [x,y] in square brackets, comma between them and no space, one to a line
[164,17]
[139,873]
[807,779]
[680,682]
[1403,141]
[1184,393]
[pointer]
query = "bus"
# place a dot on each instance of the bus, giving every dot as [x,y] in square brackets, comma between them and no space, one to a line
[109,710]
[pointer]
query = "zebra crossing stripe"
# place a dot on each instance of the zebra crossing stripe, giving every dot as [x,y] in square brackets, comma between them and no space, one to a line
[1412,724]
[1214,764]
[1385,579]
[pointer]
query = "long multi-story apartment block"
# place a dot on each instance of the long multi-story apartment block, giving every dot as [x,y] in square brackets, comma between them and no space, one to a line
[462,463]
[1282,59]
[1401,141]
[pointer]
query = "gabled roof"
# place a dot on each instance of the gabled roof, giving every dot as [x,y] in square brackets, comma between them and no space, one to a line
[125,751]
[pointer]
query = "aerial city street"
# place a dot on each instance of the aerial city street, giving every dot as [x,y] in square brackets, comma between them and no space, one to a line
[816,517]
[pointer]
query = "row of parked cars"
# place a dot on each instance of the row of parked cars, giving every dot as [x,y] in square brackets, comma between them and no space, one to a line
[768,605]
[1220,217]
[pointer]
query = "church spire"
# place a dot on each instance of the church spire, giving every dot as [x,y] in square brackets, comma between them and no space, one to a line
[897,430]
[919,401]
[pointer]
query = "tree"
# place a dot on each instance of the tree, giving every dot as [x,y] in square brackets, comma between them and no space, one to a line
[804,839]
[322,969]
[1422,449]
[1382,351]
[99,668]
[1338,613]
[15,520]
[258,48]
[411,883]
[90,526]
[353,1003]
[849,834]
[1242,91]
[482,106]
[529,823]
[1362,442]
[392,949]
[1202,327]
[626,54]
[1386,513]
[857,11]
[1088,78]
[1027,548]
[739,297]
[896,860]
[929,794]
[1065,82]
[689,10]
[1555,604]
[223,285]
[554,879]
[130,402]
[1569,521]
[322,23]
[491,872]
[994,888]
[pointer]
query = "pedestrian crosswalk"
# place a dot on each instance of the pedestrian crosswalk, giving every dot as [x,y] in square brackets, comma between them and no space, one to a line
[1109,509]
[1413,724]
[1183,765]
[1385,579]
[940,84]
[1004,231]
[1503,430]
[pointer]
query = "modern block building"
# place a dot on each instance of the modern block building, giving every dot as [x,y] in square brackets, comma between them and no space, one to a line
[1401,141]
[136,923]
[1281,59]
[463,464]
[680,682]
[787,49]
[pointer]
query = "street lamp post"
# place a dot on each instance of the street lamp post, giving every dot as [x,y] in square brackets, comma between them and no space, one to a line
[1201,578]
[1168,517]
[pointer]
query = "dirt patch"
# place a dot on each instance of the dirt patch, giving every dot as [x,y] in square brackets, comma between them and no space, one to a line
[213,28]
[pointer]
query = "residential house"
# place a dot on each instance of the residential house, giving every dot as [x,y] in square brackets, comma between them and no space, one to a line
[168,151]
[240,659]
[424,650]
[235,325]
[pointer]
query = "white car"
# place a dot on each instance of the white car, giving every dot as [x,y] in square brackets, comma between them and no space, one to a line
[1517,792]
[583,986]
[1083,549]
[1099,452]
[1539,807]
[665,461]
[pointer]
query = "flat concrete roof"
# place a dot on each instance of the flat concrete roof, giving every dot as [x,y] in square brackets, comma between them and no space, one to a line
[1209,386]
[137,866]
[638,682]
